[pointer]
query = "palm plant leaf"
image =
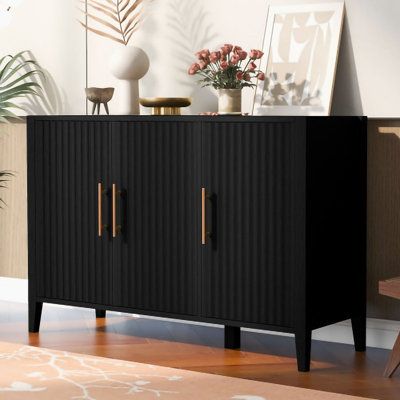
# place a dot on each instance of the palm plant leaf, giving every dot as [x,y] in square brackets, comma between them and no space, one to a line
[20,67]
[4,175]
[103,8]
[101,33]
[23,77]
[116,20]
[16,74]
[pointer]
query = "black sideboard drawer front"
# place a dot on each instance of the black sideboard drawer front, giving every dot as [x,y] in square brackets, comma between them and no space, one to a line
[67,159]
[253,172]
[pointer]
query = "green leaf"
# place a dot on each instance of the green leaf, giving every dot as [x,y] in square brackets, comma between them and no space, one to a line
[17,89]
[13,60]
[6,104]
[19,67]
[6,68]
[7,113]
[21,78]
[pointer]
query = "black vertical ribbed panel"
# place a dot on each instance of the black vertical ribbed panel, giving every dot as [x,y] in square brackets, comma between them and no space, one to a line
[249,270]
[66,160]
[156,166]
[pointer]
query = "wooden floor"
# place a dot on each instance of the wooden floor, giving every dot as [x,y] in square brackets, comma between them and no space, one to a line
[335,367]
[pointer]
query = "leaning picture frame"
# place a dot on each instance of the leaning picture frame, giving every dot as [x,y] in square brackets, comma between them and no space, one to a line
[301,46]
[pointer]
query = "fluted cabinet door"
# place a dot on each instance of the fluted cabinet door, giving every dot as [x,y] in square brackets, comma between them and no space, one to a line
[156,169]
[66,161]
[254,207]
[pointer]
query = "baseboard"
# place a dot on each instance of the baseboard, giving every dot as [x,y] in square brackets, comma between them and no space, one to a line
[14,290]
[380,333]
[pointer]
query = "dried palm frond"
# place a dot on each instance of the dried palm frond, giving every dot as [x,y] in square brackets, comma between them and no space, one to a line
[118,19]
[15,81]
[4,175]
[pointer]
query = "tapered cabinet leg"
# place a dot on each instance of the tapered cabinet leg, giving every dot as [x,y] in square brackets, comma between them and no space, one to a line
[100,313]
[394,360]
[359,325]
[303,350]
[232,337]
[35,314]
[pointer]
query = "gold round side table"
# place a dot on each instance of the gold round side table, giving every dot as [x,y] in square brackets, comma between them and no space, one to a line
[166,105]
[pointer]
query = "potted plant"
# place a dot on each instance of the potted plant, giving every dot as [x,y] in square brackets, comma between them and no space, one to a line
[16,74]
[228,70]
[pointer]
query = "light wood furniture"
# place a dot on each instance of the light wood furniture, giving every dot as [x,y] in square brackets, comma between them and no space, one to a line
[391,288]
[13,215]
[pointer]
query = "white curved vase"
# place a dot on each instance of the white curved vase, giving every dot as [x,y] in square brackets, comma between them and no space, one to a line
[129,64]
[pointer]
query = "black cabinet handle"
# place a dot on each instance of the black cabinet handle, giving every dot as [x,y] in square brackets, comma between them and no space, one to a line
[100,193]
[204,232]
[203,217]
[115,227]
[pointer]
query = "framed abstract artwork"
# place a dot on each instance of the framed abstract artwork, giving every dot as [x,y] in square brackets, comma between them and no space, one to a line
[301,46]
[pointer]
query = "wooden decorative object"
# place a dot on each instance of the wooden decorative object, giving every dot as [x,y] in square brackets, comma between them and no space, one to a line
[166,105]
[99,96]
[391,288]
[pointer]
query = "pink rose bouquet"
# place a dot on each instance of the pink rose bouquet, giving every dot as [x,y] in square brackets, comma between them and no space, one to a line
[230,67]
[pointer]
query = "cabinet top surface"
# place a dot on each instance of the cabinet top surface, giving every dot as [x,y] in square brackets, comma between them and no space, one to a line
[182,118]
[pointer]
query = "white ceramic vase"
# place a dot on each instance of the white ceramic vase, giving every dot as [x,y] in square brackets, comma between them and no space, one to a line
[229,101]
[129,64]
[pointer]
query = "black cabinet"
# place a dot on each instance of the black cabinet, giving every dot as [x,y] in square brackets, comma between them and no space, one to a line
[247,222]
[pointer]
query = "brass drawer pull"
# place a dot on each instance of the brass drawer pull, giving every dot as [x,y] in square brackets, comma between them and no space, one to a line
[100,193]
[203,217]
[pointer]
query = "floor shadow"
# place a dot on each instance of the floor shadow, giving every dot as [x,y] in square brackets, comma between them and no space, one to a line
[211,336]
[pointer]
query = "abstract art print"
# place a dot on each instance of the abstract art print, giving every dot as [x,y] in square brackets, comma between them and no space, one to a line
[301,45]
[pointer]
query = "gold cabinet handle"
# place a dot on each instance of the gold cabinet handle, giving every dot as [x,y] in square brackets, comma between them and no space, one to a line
[100,193]
[203,216]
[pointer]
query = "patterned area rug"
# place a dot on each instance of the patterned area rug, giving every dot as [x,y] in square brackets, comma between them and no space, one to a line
[36,373]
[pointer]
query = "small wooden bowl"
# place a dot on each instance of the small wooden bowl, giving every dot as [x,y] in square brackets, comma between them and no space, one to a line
[99,95]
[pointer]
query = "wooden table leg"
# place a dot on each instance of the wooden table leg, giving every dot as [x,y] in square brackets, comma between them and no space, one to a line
[394,360]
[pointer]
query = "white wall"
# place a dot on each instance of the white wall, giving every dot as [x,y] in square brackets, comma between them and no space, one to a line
[49,29]
[368,78]
[173,31]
